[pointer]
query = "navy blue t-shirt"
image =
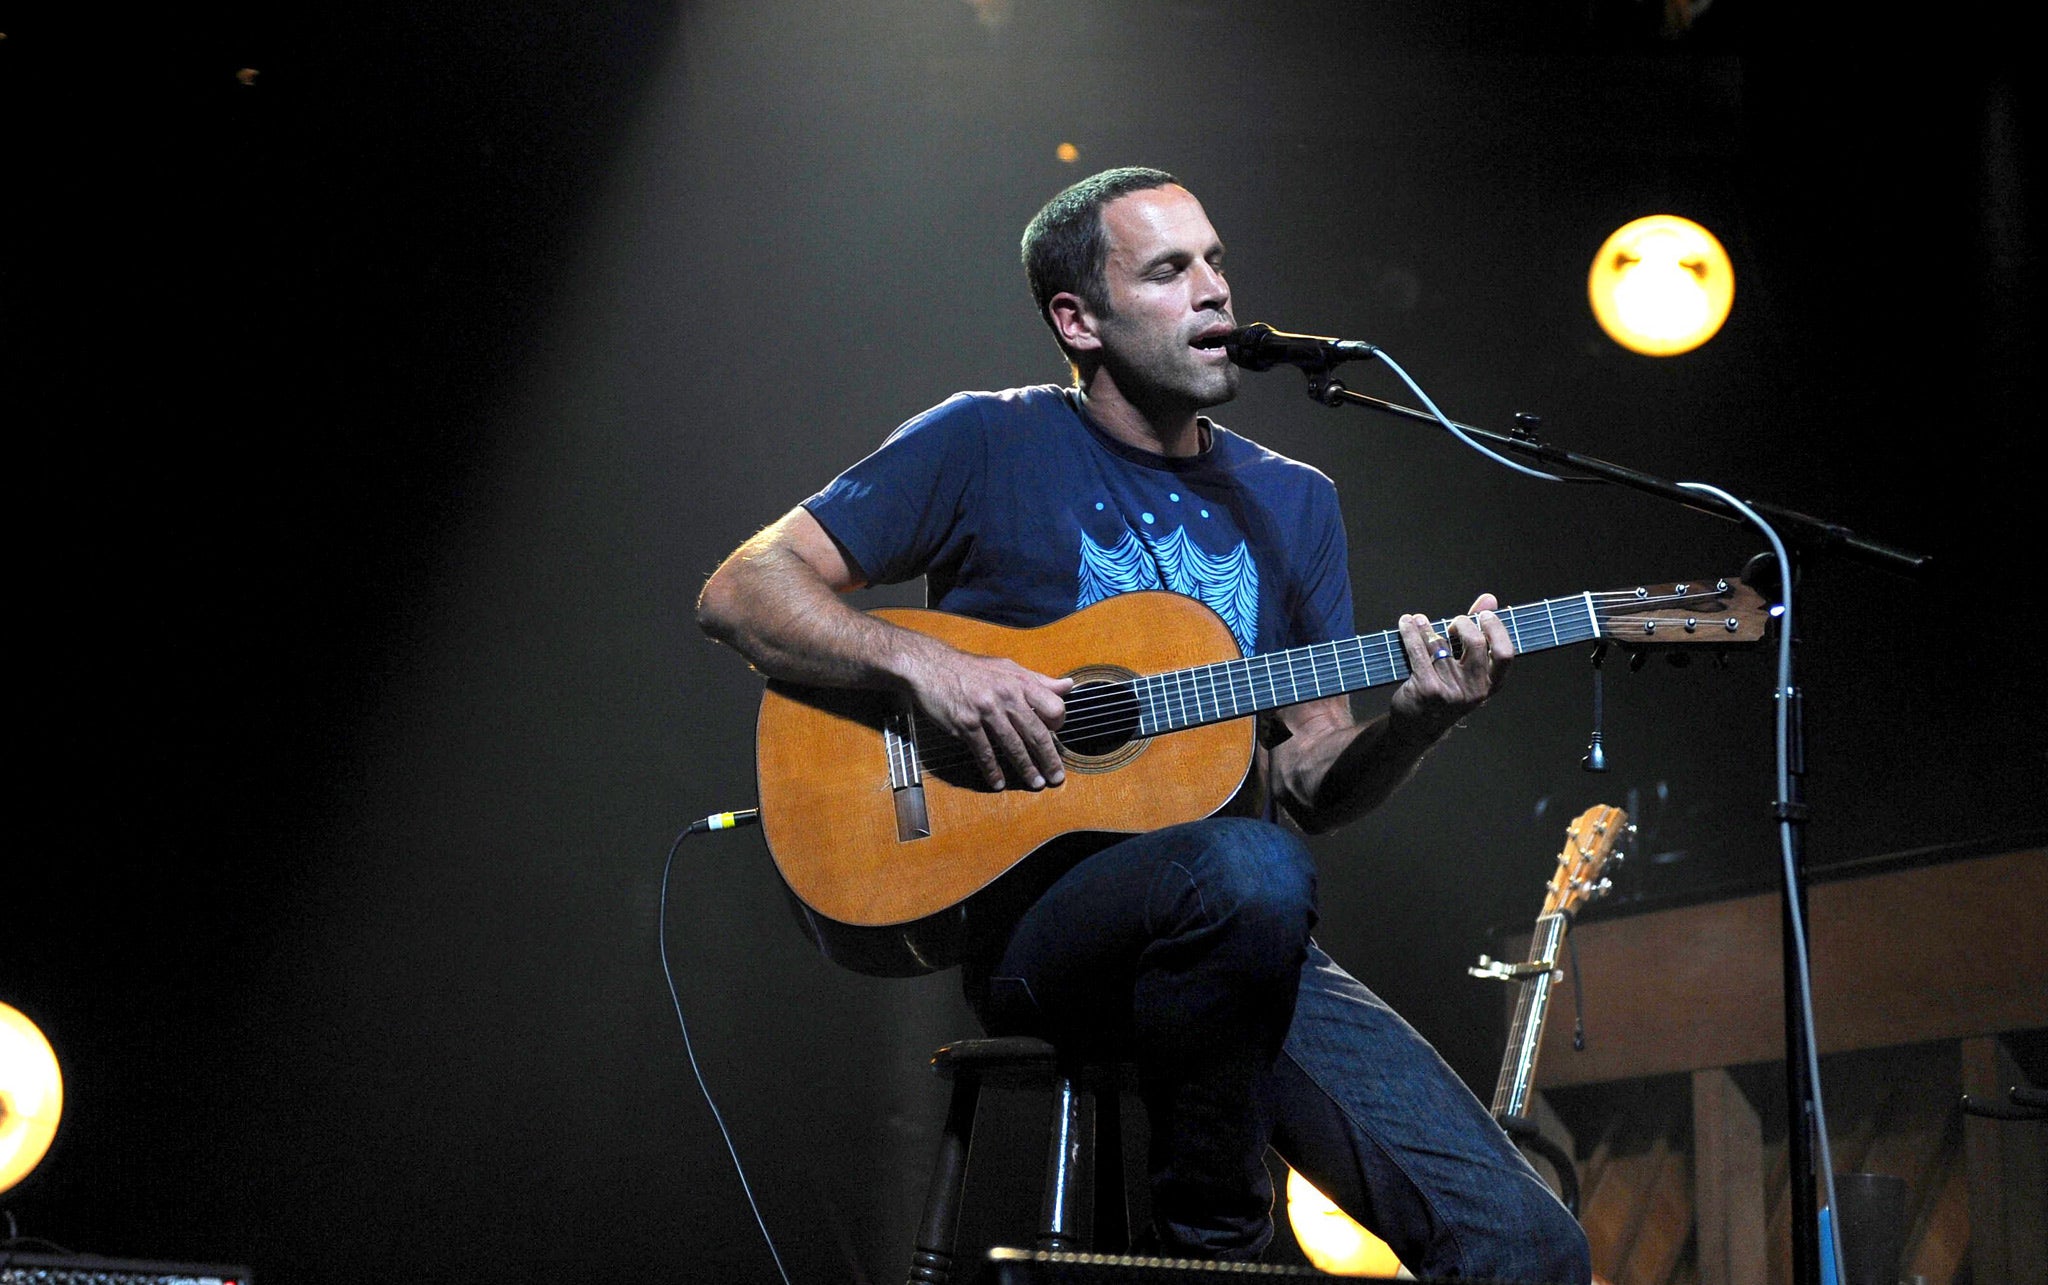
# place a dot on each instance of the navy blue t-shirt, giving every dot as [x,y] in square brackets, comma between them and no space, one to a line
[1019,510]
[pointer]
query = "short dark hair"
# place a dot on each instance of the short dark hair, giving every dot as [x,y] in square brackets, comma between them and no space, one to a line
[1064,245]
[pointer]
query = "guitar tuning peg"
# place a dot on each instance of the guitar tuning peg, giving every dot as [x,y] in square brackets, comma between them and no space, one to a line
[1631,830]
[1604,887]
[1618,857]
[1636,661]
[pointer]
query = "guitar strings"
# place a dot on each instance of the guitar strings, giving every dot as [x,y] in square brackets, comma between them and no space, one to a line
[1093,718]
[1104,707]
[1108,706]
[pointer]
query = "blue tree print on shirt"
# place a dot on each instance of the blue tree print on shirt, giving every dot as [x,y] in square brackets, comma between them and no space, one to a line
[1227,583]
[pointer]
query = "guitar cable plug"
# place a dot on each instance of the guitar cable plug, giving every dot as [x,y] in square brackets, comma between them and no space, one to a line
[725,821]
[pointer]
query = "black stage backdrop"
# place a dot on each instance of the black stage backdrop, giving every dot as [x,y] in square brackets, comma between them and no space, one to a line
[381,409]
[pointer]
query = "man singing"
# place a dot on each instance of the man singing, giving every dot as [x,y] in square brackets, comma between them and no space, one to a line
[1186,950]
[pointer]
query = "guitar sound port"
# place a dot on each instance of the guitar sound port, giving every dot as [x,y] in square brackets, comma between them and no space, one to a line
[1102,726]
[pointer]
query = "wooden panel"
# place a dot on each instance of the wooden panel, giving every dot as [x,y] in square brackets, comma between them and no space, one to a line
[1636,1202]
[1938,952]
[1728,1181]
[2008,1172]
[1941,1238]
[1662,1225]
[1891,1111]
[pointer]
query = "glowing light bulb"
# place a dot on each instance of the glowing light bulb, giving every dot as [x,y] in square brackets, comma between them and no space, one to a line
[31,1096]
[1661,285]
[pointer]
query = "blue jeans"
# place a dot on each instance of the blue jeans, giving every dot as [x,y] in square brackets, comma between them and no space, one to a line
[1188,951]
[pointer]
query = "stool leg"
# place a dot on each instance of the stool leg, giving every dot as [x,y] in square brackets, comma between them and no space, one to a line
[1112,1208]
[1063,1162]
[931,1262]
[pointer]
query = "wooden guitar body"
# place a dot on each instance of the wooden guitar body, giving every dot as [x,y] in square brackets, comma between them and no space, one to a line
[883,899]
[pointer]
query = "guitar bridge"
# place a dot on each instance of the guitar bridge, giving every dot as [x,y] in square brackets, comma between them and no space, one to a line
[912,822]
[906,776]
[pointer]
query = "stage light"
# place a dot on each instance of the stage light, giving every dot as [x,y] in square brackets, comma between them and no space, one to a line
[1330,1238]
[1661,285]
[31,1096]
[1067,152]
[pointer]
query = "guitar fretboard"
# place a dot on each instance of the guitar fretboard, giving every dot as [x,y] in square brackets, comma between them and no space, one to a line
[1231,689]
[1518,1068]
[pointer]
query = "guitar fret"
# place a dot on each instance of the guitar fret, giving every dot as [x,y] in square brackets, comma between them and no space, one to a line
[1550,618]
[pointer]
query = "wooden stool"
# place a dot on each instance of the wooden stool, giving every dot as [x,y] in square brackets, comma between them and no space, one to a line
[1024,1063]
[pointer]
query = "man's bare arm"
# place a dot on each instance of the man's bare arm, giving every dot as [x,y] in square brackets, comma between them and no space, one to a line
[776,601]
[1333,769]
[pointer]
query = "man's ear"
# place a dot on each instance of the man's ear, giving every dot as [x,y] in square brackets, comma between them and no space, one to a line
[1075,322]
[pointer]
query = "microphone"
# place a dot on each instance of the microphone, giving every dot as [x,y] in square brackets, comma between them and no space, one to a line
[1260,347]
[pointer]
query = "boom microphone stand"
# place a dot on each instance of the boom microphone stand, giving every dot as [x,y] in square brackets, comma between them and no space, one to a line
[1807,536]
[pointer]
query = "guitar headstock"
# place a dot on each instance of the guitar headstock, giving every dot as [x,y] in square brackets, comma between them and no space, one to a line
[1588,847]
[1713,613]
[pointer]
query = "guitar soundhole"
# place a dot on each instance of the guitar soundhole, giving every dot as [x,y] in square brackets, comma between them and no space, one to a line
[1102,726]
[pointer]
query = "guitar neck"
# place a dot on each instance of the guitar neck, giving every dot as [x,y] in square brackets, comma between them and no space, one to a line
[1518,1068]
[1254,684]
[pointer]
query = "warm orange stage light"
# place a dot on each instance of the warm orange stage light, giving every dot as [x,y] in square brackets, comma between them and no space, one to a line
[1661,285]
[31,1096]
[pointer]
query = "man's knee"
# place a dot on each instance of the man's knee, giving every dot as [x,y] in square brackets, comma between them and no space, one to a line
[1251,875]
[1539,1242]
[1239,896]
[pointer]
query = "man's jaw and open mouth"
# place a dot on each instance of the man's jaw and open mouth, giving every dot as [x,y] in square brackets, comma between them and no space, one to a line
[1211,340]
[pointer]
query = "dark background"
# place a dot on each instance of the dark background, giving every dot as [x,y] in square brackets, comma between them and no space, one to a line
[377,421]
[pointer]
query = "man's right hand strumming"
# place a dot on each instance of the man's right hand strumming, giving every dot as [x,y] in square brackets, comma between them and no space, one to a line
[1002,712]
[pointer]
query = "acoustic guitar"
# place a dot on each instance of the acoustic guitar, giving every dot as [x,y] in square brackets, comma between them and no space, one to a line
[884,831]
[1589,847]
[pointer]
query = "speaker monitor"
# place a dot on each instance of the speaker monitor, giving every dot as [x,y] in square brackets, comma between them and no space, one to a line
[88,1269]
[1045,1267]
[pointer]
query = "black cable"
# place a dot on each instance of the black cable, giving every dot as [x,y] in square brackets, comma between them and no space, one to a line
[716,821]
[1578,998]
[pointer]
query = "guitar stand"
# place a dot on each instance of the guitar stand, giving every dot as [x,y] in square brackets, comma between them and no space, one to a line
[1524,1131]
